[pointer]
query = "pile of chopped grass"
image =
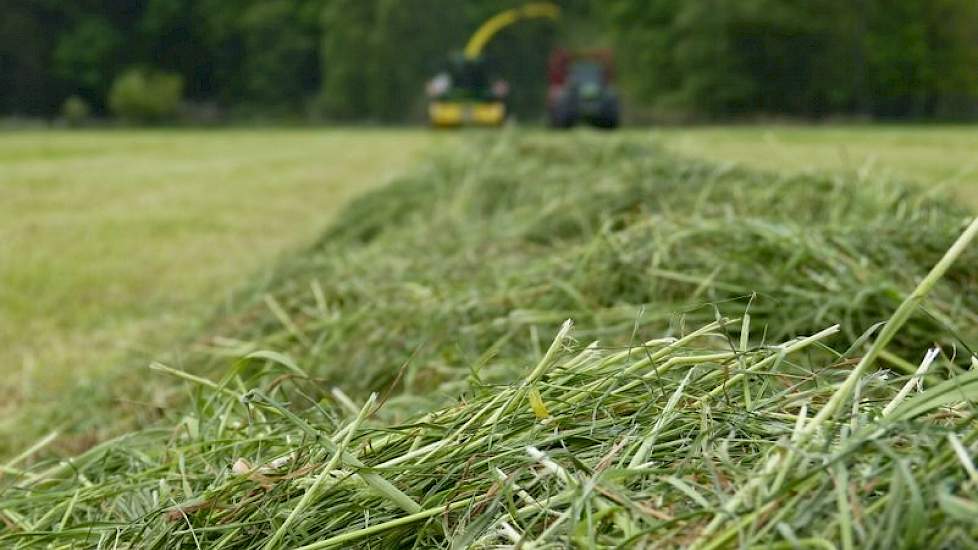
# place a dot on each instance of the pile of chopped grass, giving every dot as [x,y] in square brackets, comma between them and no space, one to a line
[441,292]
[489,250]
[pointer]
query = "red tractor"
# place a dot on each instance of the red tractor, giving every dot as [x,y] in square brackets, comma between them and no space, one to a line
[582,89]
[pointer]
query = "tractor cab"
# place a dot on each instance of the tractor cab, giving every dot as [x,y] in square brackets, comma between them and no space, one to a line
[588,77]
[582,89]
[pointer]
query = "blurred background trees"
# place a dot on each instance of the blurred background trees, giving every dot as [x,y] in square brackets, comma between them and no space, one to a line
[881,58]
[360,60]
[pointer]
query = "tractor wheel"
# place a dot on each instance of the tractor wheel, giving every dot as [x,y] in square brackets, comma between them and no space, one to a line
[609,114]
[562,114]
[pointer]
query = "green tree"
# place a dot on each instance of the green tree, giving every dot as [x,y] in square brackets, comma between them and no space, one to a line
[27,86]
[177,36]
[280,65]
[86,56]
[378,53]
[892,58]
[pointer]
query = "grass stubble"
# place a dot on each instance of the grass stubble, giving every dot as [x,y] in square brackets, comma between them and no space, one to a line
[113,241]
[744,369]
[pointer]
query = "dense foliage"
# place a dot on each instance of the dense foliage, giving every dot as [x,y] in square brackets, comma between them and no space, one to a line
[885,58]
[368,59]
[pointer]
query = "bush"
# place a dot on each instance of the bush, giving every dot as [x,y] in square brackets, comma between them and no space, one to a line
[143,96]
[75,111]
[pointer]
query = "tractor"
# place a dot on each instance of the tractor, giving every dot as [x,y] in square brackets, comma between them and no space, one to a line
[581,89]
[465,94]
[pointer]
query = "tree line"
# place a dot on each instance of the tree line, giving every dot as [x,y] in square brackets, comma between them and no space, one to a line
[812,58]
[356,60]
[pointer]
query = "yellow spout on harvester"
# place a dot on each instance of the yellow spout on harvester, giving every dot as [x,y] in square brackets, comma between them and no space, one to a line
[482,36]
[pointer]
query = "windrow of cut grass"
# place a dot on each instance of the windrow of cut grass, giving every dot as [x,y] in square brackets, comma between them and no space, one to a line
[491,249]
[728,380]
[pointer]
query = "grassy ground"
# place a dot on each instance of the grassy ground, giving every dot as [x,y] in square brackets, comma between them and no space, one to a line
[115,242]
[929,154]
[802,424]
[111,241]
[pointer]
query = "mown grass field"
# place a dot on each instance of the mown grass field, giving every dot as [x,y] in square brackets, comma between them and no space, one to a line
[741,371]
[112,242]
[932,155]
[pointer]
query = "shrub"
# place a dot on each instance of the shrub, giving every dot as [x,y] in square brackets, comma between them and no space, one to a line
[143,96]
[75,111]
